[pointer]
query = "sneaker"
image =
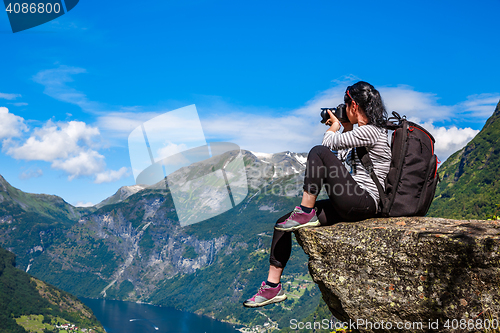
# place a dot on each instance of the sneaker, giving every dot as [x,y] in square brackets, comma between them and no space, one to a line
[298,219]
[266,295]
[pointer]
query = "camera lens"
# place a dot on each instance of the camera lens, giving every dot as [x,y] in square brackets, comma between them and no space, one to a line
[324,116]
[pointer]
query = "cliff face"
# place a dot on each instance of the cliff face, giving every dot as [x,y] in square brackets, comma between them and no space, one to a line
[407,270]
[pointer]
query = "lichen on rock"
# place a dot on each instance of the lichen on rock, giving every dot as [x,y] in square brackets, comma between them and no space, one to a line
[409,269]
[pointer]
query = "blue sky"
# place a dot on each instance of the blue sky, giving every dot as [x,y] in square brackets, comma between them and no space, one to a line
[72,90]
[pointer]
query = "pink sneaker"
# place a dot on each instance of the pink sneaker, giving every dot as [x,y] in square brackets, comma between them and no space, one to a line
[298,219]
[266,295]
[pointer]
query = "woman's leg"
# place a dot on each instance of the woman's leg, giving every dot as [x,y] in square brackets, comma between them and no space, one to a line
[281,244]
[325,169]
[308,199]
[270,291]
[348,199]
[275,273]
[322,165]
[281,248]
[348,202]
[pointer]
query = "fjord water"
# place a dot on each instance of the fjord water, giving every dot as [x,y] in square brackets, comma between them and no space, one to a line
[128,317]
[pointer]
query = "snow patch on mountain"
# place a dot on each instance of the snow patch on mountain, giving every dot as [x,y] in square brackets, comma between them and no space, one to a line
[262,155]
[301,159]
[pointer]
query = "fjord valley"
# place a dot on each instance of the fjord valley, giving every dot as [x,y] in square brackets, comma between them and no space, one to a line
[131,247]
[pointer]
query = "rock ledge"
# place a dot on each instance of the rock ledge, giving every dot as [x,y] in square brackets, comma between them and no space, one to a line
[410,269]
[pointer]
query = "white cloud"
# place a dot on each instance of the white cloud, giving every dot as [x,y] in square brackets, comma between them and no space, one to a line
[56,86]
[55,141]
[10,124]
[449,140]
[31,174]
[111,175]
[71,147]
[83,204]
[19,104]
[170,149]
[266,133]
[9,97]
[85,163]
[169,153]
[120,124]
[296,130]
[171,123]
[480,106]
[419,106]
[299,130]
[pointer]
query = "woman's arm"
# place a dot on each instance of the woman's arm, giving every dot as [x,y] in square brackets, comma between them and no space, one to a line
[335,124]
[362,136]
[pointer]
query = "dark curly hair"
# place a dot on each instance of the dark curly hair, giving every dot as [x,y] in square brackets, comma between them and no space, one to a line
[368,98]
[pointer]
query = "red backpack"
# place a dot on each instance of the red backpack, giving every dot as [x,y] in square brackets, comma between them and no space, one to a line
[412,179]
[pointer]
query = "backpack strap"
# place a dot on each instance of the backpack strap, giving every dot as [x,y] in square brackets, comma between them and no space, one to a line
[395,122]
[396,117]
[368,164]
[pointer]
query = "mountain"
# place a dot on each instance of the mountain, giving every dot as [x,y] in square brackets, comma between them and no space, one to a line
[29,223]
[26,302]
[50,206]
[123,193]
[285,163]
[132,247]
[281,164]
[470,186]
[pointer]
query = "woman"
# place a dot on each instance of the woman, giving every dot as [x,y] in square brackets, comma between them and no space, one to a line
[353,196]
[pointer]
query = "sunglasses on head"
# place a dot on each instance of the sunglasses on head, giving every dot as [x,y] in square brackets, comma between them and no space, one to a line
[348,94]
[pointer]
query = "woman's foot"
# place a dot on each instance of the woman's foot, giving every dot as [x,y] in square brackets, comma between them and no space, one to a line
[298,219]
[266,295]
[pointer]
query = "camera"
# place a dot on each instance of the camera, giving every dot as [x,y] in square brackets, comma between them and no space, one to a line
[338,112]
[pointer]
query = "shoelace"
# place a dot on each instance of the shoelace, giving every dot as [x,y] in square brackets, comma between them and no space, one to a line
[295,211]
[261,289]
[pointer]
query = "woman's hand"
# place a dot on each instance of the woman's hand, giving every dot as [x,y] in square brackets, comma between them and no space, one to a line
[333,122]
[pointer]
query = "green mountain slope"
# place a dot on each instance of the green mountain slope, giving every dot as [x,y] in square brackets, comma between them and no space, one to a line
[470,186]
[30,223]
[50,206]
[22,297]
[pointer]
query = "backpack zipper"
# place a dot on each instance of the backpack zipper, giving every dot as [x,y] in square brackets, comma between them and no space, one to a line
[404,149]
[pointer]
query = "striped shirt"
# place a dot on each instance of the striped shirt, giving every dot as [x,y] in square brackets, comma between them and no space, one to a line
[376,142]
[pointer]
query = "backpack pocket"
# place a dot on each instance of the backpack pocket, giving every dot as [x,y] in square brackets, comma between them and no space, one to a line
[429,189]
[412,179]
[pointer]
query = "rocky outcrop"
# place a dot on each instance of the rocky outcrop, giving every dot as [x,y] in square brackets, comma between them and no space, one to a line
[407,270]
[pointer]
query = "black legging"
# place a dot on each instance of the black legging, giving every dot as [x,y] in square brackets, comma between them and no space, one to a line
[348,201]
